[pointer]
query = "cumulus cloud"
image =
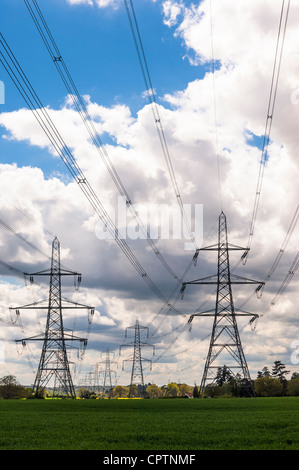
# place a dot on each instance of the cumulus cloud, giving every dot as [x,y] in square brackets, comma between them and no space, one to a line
[99,3]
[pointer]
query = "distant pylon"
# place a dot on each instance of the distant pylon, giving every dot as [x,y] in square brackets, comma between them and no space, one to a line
[54,368]
[107,383]
[137,370]
[225,339]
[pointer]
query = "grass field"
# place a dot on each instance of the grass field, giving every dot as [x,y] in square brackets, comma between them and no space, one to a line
[174,424]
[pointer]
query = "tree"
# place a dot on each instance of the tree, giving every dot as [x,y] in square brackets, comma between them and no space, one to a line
[153,391]
[41,393]
[213,390]
[11,388]
[223,375]
[134,392]
[184,389]
[268,387]
[195,392]
[84,392]
[293,387]
[120,392]
[264,373]
[172,390]
[279,371]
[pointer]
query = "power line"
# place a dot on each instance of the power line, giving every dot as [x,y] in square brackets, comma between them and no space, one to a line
[26,90]
[23,239]
[270,111]
[287,279]
[155,108]
[56,56]
[17,272]
[260,288]
[215,107]
[25,215]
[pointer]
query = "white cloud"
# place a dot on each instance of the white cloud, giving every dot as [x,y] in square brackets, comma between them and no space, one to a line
[79,2]
[171,11]
[98,3]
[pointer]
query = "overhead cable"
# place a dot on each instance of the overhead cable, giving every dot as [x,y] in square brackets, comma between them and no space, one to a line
[41,114]
[56,56]
[260,288]
[155,109]
[270,112]
[215,107]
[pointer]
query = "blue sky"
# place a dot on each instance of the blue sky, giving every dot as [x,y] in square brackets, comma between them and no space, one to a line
[97,46]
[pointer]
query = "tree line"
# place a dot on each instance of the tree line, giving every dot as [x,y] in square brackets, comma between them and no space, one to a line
[172,390]
[268,383]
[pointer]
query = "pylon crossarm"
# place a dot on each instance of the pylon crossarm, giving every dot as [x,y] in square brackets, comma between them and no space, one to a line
[124,346]
[37,305]
[52,338]
[140,328]
[228,246]
[32,338]
[244,279]
[223,280]
[211,313]
[29,306]
[48,272]
[77,304]
[205,280]
[72,337]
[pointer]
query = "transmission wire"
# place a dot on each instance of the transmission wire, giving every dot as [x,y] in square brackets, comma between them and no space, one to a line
[269,120]
[215,108]
[155,109]
[83,112]
[63,151]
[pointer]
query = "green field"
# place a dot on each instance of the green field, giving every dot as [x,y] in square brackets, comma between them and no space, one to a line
[171,424]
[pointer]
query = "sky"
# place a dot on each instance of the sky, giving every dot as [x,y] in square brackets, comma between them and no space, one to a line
[193,137]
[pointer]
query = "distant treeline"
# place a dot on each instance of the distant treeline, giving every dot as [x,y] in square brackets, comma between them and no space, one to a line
[268,383]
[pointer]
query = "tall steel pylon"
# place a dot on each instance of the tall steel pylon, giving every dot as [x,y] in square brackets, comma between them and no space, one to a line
[54,367]
[107,382]
[137,370]
[225,339]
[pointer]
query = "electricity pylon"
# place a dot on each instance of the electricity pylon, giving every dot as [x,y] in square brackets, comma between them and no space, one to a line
[107,383]
[137,370]
[54,365]
[225,339]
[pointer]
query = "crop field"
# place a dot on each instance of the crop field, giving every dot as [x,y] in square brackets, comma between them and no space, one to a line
[170,424]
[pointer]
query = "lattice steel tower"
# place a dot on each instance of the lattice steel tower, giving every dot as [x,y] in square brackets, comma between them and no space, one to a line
[137,370]
[107,383]
[54,366]
[225,344]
